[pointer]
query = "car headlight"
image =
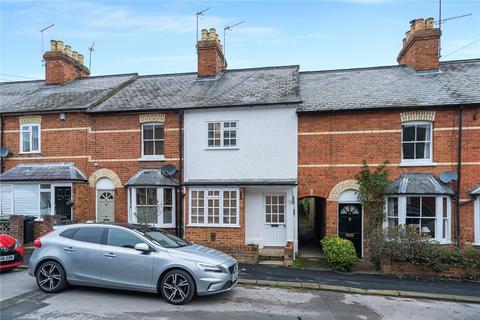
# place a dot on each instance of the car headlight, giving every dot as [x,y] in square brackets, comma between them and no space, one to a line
[209,267]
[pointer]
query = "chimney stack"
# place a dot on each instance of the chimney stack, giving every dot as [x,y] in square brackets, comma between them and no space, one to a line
[63,65]
[210,55]
[420,46]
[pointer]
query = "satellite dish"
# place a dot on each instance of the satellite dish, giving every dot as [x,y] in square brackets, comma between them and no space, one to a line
[168,170]
[4,152]
[448,176]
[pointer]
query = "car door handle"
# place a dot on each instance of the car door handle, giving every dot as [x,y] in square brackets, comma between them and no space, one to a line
[110,255]
[69,249]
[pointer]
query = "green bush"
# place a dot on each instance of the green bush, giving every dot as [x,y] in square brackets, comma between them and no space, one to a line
[339,253]
[406,244]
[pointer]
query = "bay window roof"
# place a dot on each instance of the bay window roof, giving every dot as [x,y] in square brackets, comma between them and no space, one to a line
[151,177]
[44,172]
[476,191]
[419,183]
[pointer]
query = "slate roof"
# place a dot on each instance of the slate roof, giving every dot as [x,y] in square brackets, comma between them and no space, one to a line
[151,177]
[419,183]
[244,87]
[44,172]
[36,96]
[458,82]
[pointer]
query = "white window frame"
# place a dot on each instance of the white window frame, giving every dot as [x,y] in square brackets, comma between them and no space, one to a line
[132,204]
[417,162]
[476,221]
[39,190]
[280,194]
[402,215]
[153,157]
[222,138]
[30,131]
[205,208]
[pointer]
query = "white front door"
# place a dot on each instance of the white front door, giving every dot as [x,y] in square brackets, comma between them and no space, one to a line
[105,205]
[275,220]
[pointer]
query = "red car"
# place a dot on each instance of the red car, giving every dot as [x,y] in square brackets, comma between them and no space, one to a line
[11,252]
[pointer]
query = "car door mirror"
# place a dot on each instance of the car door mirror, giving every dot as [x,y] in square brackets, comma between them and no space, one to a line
[143,247]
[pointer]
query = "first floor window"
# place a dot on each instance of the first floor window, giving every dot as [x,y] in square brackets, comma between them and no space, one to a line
[275,208]
[417,141]
[154,205]
[152,140]
[214,207]
[222,134]
[30,138]
[428,214]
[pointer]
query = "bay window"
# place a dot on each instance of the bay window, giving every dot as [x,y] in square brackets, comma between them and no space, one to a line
[214,207]
[428,214]
[153,205]
[30,138]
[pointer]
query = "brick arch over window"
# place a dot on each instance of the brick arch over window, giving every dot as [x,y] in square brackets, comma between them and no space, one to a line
[104,173]
[342,186]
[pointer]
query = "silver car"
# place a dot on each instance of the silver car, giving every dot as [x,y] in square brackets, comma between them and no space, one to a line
[130,257]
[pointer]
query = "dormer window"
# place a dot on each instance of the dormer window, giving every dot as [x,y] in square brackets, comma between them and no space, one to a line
[30,138]
[417,142]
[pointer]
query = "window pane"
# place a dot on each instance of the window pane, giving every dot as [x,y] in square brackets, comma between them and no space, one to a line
[392,222]
[26,141]
[120,238]
[151,196]
[148,148]
[444,207]
[428,227]
[167,215]
[392,207]
[158,148]
[408,151]
[147,132]
[423,133]
[35,136]
[428,207]
[91,234]
[421,150]
[45,203]
[444,228]
[413,206]
[167,197]
[413,222]
[408,133]
[141,196]
[158,132]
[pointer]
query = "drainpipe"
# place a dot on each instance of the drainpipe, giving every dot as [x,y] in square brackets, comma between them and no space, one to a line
[180,175]
[459,173]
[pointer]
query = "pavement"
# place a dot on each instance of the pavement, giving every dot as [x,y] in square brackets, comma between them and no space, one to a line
[360,283]
[21,299]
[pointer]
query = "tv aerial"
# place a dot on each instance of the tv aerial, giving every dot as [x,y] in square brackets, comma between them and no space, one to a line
[198,14]
[440,21]
[225,29]
[43,49]
[90,49]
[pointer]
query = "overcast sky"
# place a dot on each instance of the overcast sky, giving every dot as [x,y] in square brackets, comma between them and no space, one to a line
[152,37]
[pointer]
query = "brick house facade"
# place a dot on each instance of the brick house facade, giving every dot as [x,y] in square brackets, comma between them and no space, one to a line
[300,135]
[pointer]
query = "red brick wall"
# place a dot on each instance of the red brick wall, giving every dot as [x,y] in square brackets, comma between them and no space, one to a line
[60,68]
[93,142]
[327,159]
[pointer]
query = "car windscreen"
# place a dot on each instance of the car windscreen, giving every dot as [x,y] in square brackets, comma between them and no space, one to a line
[162,238]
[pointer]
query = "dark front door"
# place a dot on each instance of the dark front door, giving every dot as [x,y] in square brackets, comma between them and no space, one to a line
[350,224]
[62,202]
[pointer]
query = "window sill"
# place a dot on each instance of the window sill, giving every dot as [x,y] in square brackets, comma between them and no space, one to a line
[445,242]
[158,158]
[33,152]
[418,164]
[213,225]
[221,148]
[476,244]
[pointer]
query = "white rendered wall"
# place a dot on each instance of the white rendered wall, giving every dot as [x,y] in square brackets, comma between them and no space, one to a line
[266,145]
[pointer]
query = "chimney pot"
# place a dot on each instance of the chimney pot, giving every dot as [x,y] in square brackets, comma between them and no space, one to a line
[429,23]
[53,45]
[68,50]
[204,34]
[75,55]
[60,45]
[419,24]
[80,58]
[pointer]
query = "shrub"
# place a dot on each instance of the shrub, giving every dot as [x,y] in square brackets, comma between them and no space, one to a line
[406,244]
[339,253]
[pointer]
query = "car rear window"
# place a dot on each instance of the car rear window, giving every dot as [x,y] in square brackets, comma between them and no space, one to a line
[69,233]
[89,234]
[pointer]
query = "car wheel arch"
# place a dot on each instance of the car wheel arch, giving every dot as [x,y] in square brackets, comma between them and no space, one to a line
[39,264]
[171,268]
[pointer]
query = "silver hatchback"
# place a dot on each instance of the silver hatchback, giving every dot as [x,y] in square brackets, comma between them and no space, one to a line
[130,257]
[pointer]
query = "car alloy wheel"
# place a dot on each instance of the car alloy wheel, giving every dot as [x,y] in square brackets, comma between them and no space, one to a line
[177,287]
[51,277]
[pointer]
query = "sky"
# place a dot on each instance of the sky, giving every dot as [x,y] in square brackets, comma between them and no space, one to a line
[155,37]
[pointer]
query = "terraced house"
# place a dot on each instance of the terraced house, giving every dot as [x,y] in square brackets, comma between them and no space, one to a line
[217,155]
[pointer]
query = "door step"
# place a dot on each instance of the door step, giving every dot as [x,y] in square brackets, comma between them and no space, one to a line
[271,254]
